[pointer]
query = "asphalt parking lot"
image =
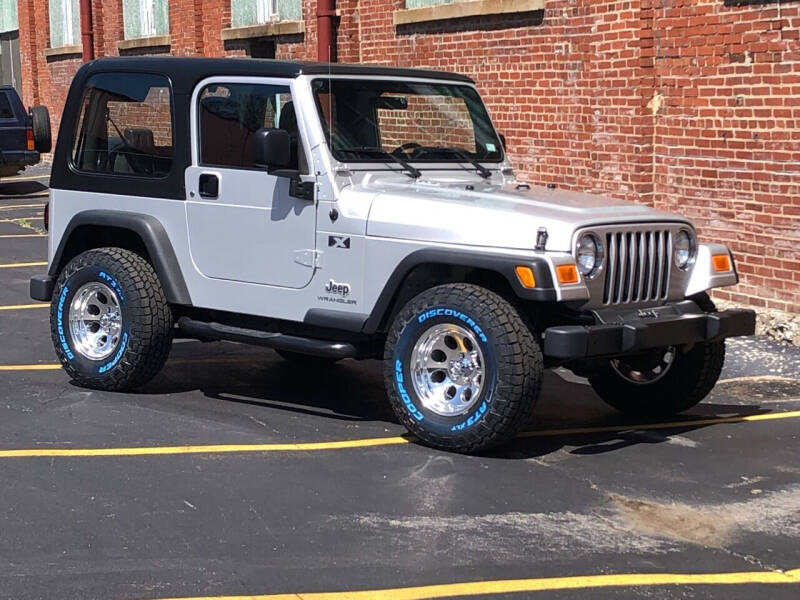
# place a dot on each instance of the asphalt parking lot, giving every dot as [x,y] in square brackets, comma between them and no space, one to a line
[236,474]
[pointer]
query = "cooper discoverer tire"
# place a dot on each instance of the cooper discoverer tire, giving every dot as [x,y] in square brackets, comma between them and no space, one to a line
[111,325]
[691,376]
[462,370]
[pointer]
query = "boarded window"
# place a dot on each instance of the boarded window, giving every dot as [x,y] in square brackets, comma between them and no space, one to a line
[230,115]
[125,126]
[145,18]
[9,19]
[65,23]
[245,13]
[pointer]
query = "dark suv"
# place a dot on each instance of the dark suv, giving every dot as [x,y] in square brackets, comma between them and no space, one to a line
[24,134]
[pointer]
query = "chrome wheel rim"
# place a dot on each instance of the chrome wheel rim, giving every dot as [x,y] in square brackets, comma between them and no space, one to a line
[95,321]
[643,375]
[447,369]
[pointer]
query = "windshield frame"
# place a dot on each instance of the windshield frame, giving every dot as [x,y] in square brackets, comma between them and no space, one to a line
[437,162]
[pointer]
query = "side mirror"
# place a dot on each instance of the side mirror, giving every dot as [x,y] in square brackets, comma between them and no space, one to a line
[271,148]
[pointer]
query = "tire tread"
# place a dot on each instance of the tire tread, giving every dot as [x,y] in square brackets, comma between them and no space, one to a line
[151,315]
[519,358]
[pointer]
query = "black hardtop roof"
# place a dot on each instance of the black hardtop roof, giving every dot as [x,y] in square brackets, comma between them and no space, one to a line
[186,72]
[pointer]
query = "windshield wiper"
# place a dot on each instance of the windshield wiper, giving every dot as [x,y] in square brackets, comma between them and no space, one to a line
[482,171]
[408,168]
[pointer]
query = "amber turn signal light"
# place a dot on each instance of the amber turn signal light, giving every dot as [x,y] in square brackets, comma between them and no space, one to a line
[526,277]
[721,262]
[567,274]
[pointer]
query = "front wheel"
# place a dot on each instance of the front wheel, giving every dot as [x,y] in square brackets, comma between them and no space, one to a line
[462,370]
[111,325]
[664,381]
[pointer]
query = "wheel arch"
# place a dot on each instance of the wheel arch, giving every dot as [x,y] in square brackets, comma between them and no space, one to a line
[139,233]
[424,269]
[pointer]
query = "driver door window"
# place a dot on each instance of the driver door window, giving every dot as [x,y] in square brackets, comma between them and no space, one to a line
[230,115]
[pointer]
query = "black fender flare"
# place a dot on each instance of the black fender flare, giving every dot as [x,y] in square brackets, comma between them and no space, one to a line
[155,239]
[504,265]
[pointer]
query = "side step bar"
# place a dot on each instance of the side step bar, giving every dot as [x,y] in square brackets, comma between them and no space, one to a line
[290,343]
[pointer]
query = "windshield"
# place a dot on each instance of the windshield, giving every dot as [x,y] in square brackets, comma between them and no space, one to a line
[415,121]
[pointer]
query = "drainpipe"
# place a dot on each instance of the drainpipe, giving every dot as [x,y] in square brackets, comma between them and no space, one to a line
[326,45]
[87,30]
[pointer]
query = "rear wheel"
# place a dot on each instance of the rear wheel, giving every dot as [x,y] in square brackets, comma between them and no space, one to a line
[111,325]
[462,370]
[662,382]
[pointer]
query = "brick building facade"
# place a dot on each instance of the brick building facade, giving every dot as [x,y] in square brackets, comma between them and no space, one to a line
[688,105]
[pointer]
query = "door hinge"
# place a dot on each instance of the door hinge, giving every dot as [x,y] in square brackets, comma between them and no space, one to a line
[309,258]
[304,190]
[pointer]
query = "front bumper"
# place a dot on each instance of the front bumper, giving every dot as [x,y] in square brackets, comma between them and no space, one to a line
[619,332]
[21,158]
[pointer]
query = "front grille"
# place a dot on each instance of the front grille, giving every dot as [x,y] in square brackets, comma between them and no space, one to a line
[637,266]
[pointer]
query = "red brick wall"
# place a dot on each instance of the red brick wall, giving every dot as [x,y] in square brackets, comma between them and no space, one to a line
[688,105]
[727,138]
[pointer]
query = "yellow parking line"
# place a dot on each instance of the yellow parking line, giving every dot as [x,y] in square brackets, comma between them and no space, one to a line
[24,306]
[50,367]
[759,378]
[668,425]
[23,235]
[21,218]
[213,449]
[25,178]
[25,264]
[544,584]
[21,206]
[335,445]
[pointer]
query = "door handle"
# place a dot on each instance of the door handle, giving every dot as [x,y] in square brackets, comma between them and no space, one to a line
[209,185]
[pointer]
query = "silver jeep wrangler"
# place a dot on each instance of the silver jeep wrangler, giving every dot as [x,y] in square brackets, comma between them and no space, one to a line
[341,211]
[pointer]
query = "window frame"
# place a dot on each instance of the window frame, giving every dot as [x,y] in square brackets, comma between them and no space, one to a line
[429,163]
[461,9]
[68,40]
[272,14]
[270,9]
[147,17]
[79,118]
[194,118]
[149,9]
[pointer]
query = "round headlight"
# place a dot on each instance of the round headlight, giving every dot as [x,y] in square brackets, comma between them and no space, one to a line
[684,249]
[589,255]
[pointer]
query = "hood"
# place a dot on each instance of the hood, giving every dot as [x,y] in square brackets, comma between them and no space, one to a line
[444,210]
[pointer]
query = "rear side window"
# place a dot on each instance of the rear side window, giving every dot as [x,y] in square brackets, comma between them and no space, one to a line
[231,113]
[5,107]
[125,126]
